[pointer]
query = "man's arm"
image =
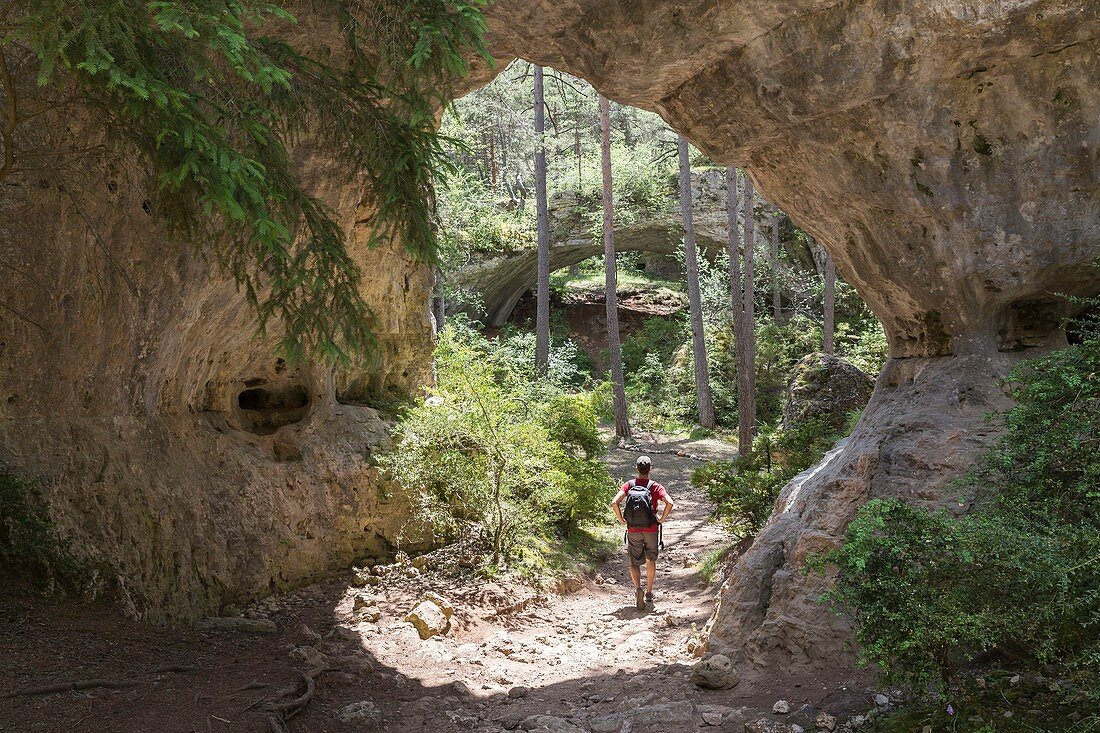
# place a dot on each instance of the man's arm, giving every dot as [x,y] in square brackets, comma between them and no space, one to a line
[669,506]
[615,505]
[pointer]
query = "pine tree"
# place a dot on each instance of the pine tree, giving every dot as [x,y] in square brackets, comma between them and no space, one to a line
[202,97]
[746,340]
[614,347]
[773,251]
[733,248]
[829,326]
[542,308]
[695,305]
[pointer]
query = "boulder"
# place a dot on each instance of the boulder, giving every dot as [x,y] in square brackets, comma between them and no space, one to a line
[715,673]
[654,718]
[363,715]
[429,619]
[445,605]
[825,386]
[766,725]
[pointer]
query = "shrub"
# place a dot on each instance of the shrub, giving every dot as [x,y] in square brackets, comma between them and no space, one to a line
[744,491]
[1019,576]
[496,452]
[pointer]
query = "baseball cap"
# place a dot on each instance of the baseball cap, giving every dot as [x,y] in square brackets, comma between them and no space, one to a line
[644,461]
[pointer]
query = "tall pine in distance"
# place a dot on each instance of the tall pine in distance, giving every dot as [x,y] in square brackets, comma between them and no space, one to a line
[773,252]
[614,347]
[733,249]
[829,325]
[542,308]
[746,340]
[695,300]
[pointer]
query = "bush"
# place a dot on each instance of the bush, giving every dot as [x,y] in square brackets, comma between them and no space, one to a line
[1019,576]
[498,453]
[744,491]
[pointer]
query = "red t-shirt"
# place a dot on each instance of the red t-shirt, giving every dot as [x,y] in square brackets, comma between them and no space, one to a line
[656,493]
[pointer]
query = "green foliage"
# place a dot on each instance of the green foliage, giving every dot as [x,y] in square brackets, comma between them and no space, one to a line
[498,452]
[473,220]
[861,340]
[212,105]
[493,144]
[659,338]
[30,548]
[712,562]
[1018,576]
[744,491]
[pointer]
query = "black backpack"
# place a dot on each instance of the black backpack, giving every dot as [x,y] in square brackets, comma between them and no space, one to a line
[638,511]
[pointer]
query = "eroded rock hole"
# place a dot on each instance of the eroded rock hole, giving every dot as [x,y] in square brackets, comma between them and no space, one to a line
[266,409]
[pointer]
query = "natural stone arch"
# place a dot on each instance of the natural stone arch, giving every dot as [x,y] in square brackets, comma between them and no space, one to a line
[946,154]
[501,280]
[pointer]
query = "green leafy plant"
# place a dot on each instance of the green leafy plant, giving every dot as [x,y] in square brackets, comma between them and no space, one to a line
[499,454]
[744,492]
[30,547]
[1016,578]
[212,105]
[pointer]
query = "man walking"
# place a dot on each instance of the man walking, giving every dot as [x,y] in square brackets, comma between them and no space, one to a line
[639,514]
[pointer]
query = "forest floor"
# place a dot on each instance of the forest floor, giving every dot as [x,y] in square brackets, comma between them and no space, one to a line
[582,658]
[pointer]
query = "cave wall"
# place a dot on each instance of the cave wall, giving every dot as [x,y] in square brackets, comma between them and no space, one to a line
[946,153]
[176,450]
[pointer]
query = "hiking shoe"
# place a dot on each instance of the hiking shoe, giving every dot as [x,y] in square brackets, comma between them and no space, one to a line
[649,596]
[639,598]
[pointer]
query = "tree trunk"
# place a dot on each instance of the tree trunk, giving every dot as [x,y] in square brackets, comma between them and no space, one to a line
[695,300]
[829,326]
[733,246]
[746,365]
[542,307]
[493,158]
[622,420]
[773,251]
[577,152]
[439,303]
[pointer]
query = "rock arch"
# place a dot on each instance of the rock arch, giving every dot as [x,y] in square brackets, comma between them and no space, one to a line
[946,154]
[501,280]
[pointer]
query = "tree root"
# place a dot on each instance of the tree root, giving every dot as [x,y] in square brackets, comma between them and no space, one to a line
[281,712]
[77,685]
[94,684]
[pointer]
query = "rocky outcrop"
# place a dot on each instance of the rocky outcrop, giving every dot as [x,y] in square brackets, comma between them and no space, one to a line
[946,154]
[501,279]
[177,451]
[827,387]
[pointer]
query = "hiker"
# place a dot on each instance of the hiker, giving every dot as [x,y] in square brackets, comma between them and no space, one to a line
[642,526]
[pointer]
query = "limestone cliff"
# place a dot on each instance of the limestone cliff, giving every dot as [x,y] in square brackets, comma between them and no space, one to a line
[173,445]
[948,156]
[946,153]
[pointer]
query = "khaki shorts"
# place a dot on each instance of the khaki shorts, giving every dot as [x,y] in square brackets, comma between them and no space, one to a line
[641,546]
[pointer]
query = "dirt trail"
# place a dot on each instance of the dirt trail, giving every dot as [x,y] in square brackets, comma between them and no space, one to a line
[590,633]
[582,661]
